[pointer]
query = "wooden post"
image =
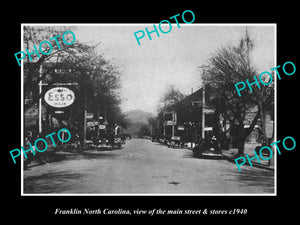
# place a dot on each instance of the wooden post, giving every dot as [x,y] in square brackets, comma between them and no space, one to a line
[84,121]
[40,99]
[203,112]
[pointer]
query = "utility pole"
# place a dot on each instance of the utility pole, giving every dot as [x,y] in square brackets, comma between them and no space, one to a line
[98,122]
[40,99]
[84,121]
[105,119]
[203,112]
[164,124]
[173,123]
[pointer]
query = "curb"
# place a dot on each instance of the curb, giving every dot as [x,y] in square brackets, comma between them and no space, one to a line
[229,158]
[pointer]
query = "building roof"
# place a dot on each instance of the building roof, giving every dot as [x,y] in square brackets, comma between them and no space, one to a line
[192,99]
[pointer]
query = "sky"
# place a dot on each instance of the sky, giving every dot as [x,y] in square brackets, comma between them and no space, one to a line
[170,59]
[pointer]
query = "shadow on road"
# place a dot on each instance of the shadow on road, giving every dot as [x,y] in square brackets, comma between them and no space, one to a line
[98,155]
[188,154]
[258,176]
[252,177]
[40,183]
[60,156]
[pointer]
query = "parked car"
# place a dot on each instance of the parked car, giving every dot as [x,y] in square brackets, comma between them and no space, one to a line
[162,140]
[207,149]
[146,137]
[175,142]
[107,141]
[265,153]
[127,136]
[154,138]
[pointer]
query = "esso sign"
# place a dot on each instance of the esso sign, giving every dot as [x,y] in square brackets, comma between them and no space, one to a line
[59,97]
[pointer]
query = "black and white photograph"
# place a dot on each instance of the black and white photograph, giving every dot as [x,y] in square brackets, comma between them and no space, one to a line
[145,111]
[161,109]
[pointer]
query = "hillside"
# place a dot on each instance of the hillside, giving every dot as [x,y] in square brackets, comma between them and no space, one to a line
[138,116]
[137,119]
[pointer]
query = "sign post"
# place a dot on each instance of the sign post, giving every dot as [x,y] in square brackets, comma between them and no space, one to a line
[40,99]
[57,97]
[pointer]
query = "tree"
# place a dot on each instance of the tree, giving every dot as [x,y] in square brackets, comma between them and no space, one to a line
[167,103]
[97,78]
[144,131]
[230,65]
[62,56]
[170,98]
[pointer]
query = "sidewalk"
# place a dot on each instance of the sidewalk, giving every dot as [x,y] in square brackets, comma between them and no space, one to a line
[230,155]
[52,154]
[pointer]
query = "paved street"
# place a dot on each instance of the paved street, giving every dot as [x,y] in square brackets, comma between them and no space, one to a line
[145,167]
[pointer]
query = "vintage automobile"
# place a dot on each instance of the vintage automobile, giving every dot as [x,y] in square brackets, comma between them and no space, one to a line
[154,138]
[127,136]
[208,149]
[163,140]
[107,141]
[174,142]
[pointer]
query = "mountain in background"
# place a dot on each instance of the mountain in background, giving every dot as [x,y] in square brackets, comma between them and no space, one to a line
[137,119]
[138,116]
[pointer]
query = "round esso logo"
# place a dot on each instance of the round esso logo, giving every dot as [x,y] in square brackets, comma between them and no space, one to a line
[59,97]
